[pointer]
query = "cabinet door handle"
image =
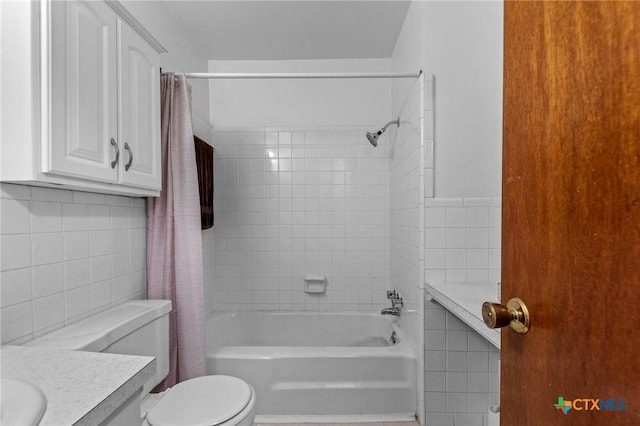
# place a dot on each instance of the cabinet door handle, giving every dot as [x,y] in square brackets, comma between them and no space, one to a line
[128,165]
[115,145]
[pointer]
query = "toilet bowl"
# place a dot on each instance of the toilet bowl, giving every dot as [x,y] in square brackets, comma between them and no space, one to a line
[141,327]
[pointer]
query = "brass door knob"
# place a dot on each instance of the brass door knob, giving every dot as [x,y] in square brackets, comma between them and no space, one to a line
[515,314]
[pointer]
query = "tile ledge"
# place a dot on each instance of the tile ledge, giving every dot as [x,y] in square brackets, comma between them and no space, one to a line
[465,300]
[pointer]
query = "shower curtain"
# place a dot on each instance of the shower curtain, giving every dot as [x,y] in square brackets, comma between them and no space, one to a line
[174,239]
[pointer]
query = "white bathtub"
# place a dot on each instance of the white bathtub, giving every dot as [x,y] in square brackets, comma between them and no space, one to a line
[304,365]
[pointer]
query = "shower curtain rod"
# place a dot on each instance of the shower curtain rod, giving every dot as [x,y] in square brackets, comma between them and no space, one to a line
[297,75]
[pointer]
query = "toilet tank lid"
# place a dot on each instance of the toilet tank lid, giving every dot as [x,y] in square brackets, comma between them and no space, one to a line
[96,333]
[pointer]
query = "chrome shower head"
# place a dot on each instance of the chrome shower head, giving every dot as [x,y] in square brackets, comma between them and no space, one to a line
[373,136]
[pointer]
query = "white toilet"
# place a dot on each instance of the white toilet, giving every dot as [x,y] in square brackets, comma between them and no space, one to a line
[141,327]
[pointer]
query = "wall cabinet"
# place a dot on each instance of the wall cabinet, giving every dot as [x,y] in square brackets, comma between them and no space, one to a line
[95,102]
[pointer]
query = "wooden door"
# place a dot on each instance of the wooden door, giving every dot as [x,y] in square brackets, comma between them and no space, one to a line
[83,100]
[139,89]
[571,212]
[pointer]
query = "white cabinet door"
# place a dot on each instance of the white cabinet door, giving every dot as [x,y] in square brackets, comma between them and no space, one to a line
[139,111]
[83,97]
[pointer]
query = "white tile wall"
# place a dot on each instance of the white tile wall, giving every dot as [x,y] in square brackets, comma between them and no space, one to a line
[406,199]
[461,371]
[293,202]
[462,239]
[406,228]
[208,268]
[65,255]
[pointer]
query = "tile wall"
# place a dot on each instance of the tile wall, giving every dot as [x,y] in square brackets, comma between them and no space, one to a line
[207,268]
[461,371]
[292,202]
[462,237]
[407,200]
[66,255]
[462,240]
[406,208]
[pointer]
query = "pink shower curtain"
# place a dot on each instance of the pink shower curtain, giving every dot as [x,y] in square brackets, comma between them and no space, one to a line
[174,240]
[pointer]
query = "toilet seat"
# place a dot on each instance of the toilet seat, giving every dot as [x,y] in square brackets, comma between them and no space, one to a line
[203,401]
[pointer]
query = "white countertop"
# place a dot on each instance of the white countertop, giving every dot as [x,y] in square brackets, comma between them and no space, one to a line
[82,388]
[465,301]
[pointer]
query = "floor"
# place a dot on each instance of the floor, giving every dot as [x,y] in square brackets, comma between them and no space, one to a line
[415,423]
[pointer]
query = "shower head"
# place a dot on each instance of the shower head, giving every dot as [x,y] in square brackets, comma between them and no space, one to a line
[373,136]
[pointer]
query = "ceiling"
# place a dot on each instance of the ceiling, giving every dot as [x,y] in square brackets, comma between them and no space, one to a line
[278,30]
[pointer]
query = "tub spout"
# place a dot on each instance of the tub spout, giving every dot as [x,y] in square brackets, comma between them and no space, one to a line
[391,311]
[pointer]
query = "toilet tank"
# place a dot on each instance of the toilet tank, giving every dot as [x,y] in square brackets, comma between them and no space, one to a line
[137,327]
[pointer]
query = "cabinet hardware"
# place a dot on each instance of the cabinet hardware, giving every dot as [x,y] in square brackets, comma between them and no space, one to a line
[128,165]
[115,145]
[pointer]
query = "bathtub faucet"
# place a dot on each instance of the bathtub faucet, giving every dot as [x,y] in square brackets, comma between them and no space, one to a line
[395,310]
[396,304]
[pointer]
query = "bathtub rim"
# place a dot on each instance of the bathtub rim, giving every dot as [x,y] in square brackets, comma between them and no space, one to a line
[405,347]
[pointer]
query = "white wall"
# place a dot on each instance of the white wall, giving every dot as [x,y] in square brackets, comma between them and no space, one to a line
[463,49]
[310,103]
[461,44]
[409,52]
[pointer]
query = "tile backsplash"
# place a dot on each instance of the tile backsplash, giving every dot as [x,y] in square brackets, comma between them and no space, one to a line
[65,255]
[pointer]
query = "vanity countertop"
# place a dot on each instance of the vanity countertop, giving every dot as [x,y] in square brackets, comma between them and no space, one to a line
[82,388]
[465,300]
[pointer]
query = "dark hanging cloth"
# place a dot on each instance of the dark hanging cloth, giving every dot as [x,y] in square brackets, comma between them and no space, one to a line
[204,160]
